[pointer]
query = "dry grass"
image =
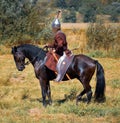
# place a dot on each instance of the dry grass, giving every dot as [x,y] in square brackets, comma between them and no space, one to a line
[83,25]
[20,97]
[75,25]
[76,40]
[20,94]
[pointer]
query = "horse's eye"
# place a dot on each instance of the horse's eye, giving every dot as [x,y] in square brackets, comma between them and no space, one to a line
[21,59]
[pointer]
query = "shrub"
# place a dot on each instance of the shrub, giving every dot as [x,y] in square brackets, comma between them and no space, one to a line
[22,21]
[96,53]
[106,37]
[70,16]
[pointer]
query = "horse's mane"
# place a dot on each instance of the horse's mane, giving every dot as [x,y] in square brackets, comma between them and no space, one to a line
[29,46]
[35,50]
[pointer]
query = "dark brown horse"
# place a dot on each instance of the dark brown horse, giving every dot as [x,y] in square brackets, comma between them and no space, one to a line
[82,68]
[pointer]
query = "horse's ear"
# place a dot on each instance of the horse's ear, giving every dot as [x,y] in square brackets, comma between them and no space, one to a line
[14,50]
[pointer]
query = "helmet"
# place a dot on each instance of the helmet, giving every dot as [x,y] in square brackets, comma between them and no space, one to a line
[56,23]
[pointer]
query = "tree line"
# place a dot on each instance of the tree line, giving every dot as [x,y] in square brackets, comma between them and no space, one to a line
[30,19]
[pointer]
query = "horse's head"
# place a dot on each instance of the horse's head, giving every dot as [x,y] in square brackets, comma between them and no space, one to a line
[19,58]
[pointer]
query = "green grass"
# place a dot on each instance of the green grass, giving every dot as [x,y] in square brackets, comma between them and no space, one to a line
[21,101]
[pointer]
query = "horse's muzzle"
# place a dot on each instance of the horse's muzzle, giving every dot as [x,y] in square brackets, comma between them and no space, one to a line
[21,68]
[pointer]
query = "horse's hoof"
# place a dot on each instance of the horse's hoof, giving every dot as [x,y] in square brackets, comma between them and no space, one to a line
[45,105]
[76,102]
[88,102]
[50,103]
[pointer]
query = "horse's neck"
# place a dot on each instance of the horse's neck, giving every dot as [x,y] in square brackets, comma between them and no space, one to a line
[33,56]
[29,54]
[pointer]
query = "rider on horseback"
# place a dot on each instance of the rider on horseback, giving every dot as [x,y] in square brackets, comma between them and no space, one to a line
[59,47]
[60,43]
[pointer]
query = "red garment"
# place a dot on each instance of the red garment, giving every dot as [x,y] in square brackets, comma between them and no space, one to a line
[60,43]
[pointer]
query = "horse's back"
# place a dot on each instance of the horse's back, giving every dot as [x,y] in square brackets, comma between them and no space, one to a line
[83,58]
[83,63]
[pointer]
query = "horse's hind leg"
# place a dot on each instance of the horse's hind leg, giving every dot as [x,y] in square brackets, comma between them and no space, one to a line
[89,96]
[88,93]
[86,82]
[88,90]
[79,97]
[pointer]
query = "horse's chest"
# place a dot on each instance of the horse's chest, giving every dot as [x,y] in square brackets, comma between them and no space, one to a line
[37,67]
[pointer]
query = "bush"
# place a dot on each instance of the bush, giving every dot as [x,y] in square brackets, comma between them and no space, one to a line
[105,37]
[22,21]
[97,53]
[90,16]
[70,16]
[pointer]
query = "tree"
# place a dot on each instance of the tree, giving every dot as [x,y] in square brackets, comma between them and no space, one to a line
[61,3]
[90,16]
[74,4]
[14,18]
[22,18]
[90,13]
[70,16]
[115,7]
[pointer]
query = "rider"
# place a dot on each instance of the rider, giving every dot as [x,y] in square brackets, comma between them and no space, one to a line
[59,45]
[60,42]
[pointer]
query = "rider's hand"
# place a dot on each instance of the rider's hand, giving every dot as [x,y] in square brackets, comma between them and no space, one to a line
[53,50]
[45,46]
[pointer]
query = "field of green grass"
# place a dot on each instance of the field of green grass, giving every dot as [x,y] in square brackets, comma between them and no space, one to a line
[21,102]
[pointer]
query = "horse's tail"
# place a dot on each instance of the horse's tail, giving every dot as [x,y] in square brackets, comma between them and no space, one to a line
[100,85]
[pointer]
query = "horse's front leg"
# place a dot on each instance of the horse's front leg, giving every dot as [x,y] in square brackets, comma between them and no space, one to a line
[49,93]
[45,88]
[44,83]
[43,91]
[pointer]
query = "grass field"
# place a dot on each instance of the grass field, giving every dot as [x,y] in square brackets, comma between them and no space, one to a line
[20,93]
[21,102]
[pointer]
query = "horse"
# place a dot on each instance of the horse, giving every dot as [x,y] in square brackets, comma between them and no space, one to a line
[81,68]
